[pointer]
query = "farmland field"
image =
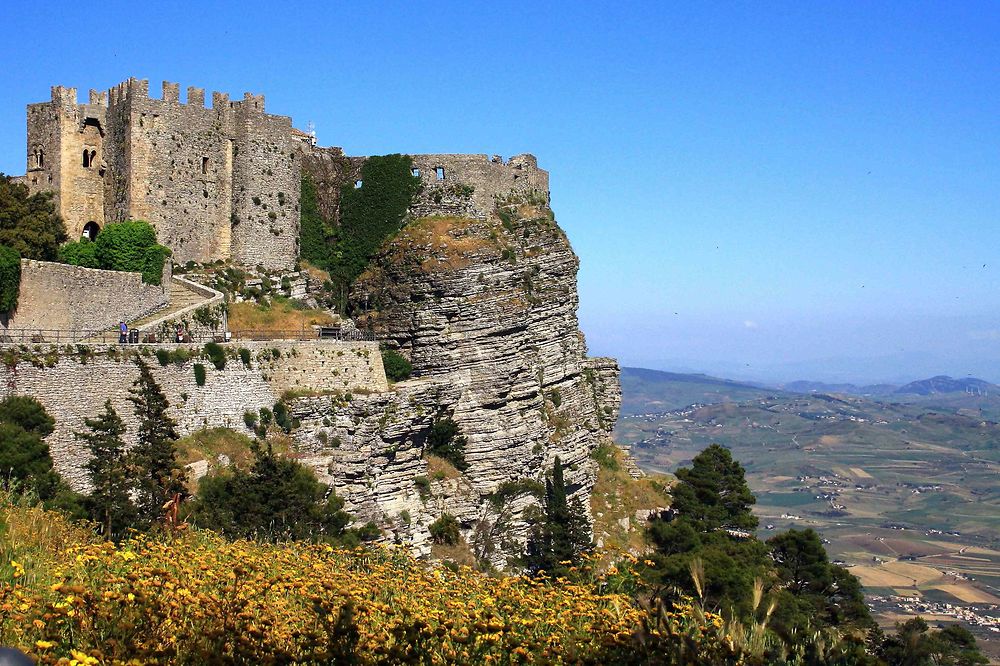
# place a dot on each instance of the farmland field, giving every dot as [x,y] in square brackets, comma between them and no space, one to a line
[904,494]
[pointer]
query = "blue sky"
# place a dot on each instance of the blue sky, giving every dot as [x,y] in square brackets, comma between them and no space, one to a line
[763,190]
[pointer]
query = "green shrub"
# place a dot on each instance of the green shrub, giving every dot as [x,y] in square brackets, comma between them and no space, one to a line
[245,356]
[163,356]
[555,395]
[80,253]
[153,258]
[397,368]
[423,485]
[606,457]
[265,416]
[445,442]
[122,246]
[199,374]
[444,530]
[250,419]
[282,418]
[10,278]
[217,355]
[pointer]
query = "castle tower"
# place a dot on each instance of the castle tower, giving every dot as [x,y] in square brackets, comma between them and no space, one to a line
[66,156]
[216,183]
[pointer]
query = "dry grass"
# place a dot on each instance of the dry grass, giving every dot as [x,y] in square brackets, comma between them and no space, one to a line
[446,242]
[459,553]
[210,443]
[617,496]
[439,468]
[279,316]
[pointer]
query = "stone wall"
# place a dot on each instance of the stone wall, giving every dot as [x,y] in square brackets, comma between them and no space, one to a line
[73,383]
[72,298]
[466,185]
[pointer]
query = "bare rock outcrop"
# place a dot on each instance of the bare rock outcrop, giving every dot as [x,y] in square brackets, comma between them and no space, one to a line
[485,309]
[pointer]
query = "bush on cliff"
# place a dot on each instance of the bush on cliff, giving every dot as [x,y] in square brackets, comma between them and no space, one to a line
[10,278]
[29,223]
[446,441]
[277,499]
[397,367]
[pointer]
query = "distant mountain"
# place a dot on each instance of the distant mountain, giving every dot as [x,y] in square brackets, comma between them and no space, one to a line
[803,386]
[659,391]
[945,384]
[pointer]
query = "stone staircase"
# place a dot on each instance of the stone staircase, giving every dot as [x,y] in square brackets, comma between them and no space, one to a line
[181,297]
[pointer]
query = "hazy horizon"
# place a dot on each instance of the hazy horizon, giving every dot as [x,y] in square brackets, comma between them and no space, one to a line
[769,188]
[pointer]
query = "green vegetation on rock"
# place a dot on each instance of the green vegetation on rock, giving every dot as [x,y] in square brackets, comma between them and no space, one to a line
[10,278]
[397,367]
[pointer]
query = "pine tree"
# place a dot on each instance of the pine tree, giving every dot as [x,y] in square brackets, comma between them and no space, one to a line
[562,535]
[158,475]
[109,503]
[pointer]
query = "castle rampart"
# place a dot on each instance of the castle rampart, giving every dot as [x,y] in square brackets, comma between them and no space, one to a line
[73,382]
[72,298]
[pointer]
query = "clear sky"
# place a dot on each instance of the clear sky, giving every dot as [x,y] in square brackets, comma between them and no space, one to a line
[776,190]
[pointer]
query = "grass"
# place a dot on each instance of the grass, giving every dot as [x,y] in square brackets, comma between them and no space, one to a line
[617,495]
[210,443]
[438,468]
[280,315]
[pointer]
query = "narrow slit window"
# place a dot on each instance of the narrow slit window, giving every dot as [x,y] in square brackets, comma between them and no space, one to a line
[86,158]
[440,173]
[204,165]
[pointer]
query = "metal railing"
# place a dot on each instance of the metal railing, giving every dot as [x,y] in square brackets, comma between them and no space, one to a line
[140,336]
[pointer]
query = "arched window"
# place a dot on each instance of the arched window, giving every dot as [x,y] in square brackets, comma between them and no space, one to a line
[86,158]
[41,158]
[93,157]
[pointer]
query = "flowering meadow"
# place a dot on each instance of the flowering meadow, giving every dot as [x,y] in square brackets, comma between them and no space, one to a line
[67,597]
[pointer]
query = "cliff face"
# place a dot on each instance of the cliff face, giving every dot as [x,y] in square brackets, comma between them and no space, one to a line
[486,311]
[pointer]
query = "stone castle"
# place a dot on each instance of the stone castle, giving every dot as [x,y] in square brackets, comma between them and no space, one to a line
[220,182]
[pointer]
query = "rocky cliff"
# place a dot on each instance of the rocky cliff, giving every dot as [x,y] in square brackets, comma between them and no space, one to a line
[486,311]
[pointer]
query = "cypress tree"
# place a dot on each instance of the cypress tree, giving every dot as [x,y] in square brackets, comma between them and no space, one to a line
[109,503]
[158,475]
[562,535]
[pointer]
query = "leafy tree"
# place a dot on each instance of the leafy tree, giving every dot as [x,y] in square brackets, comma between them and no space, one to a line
[558,540]
[29,223]
[814,593]
[122,246]
[277,499]
[109,503]
[10,278]
[27,413]
[713,493]
[24,455]
[915,645]
[710,511]
[80,253]
[446,441]
[158,475]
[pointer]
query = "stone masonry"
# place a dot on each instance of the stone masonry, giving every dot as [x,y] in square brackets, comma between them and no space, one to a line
[72,382]
[68,298]
[217,183]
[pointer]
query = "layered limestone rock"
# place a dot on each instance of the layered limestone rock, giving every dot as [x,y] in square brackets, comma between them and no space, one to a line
[486,311]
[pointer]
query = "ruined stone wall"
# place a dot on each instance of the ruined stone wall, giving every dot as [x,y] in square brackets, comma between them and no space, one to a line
[73,385]
[466,185]
[72,298]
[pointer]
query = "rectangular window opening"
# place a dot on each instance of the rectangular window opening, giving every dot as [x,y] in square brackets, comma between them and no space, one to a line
[415,172]
[440,173]
[357,184]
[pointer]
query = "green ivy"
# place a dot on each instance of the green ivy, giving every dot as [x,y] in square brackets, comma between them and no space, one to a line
[199,374]
[80,253]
